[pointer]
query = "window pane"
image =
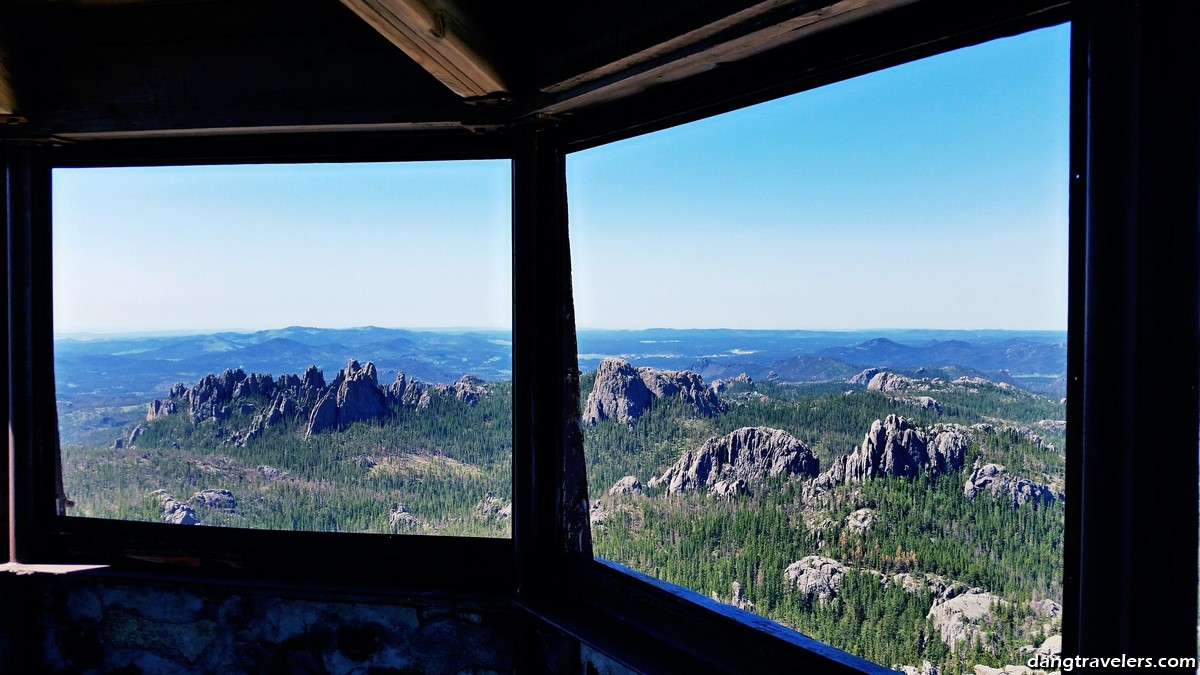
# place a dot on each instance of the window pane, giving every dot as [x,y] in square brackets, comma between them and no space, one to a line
[824,349]
[298,347]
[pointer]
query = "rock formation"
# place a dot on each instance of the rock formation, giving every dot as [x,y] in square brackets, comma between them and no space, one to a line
[173,511]
[962,618]
[816,576]
[882,381]
[354,396]
[626,485]
[894,448]
[216,499]
[996,479]
[737,597]
[358,394]
[618,393]
[623,393]
[860,521]
[685,385]
[864,377]
[495,507]
[468,389]
[748,454]
[162,408]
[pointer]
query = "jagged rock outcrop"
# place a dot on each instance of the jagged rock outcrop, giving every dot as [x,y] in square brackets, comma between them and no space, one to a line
[893,447]
[623,393]
[963,617]
[162,408]
[255,384]
[468,389]
[358,394]
[618,393]
[135,434]
[406,391]
[626,485]
[996,480]
[719,385]
[748,454]
[216,499]
[685,385]
[323,416]
[173,511]
[354,396]
[816,576]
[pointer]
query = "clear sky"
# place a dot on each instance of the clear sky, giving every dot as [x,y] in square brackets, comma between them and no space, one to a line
[931,195]
[234,248]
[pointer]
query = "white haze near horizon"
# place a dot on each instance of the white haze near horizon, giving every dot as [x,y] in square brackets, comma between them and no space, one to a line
[931,195]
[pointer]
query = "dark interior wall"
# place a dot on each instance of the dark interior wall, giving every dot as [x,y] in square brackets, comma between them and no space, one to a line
[90,624]
[143,627]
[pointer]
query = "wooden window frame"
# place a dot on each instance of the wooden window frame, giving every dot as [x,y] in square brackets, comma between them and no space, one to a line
[1135,168]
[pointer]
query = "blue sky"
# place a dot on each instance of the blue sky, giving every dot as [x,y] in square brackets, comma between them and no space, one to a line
[931,195]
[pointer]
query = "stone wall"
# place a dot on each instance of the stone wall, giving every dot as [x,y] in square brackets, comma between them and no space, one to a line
[90,625]
[93,626]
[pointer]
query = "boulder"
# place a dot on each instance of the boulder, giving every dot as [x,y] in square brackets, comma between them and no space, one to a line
[816,576]
[864,377]
[173,511]
[216,499]
[963,617]
[626,485]
[882,381]
[860,521]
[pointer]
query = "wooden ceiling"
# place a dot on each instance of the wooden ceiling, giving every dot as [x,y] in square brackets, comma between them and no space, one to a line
[80,70]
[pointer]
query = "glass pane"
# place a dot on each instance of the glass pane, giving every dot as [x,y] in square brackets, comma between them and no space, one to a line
[298,347]
[824,350]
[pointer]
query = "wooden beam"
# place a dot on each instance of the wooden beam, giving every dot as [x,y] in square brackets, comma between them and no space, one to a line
[753,30]
[439,38]
[8,96]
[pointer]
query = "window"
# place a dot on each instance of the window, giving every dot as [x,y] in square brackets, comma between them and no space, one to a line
[804,325]
[1132,366]
[320,347]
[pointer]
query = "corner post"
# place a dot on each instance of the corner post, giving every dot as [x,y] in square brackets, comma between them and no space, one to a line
[550,516]
[1134,497]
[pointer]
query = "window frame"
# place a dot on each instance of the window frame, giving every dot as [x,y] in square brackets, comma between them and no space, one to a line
[547,566]
[38,534]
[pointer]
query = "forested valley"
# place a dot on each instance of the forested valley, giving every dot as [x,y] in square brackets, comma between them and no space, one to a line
[907,516]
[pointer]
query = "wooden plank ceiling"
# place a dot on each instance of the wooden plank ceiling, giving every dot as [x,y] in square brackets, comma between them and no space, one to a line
[74,70]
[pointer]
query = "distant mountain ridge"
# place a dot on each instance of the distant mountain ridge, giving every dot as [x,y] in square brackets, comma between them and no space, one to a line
[96,371]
